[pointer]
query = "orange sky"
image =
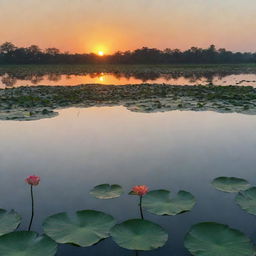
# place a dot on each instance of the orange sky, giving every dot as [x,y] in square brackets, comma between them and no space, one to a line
[111,25]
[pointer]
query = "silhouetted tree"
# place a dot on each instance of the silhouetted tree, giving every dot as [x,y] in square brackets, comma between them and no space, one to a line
[7,48]
[34,49]
[10,54]
[52,51]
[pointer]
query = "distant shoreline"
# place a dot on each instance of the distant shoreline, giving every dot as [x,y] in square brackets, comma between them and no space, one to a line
[10,53]
[67,69]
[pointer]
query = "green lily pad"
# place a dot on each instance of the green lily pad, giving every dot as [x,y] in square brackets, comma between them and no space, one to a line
[247,200]
[159,202]
[9,221]
[140,235]
[214,239]
[230,184]
[26,243]
[86,228]
[107,191]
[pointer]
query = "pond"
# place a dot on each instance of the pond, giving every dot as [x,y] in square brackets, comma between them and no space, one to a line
[84,147]
[53,79]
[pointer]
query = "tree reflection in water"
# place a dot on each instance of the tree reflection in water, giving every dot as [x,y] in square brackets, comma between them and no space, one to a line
[10,79]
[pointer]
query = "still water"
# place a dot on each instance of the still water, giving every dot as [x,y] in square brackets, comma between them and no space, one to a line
[13,80]
[82,148]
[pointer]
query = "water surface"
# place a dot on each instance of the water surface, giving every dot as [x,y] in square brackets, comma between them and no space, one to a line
[174,150]
[203,78]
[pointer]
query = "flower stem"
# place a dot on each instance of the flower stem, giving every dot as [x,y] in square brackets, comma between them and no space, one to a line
[141,211]
[32,207]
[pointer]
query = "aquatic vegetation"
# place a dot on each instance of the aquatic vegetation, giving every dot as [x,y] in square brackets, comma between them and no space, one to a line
[159,202]
[27,243]
[86,228]
[139,235]
[247,200]
[246,195]
[107,191]
[214,239]
[9,221]
[31,103]
[141,191]
[32,181]
[230,184]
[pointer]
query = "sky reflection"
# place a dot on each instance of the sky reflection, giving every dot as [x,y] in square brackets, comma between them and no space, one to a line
[81,148]
[12,80]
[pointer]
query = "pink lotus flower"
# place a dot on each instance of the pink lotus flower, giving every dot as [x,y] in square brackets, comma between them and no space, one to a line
[33,180]
[140,190]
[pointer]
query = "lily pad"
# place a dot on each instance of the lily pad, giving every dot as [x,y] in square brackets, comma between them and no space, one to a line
[86,228]
[214,239]
[159,202]
[230,184]
[9,221]
[247,200]
[140,235]
[107,191]
[26,243]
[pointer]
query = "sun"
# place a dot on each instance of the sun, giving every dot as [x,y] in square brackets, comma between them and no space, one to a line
[100,53]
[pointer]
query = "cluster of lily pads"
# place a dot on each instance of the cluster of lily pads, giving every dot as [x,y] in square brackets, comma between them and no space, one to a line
[37,102]
[215,239]
[88,227]
[246,194]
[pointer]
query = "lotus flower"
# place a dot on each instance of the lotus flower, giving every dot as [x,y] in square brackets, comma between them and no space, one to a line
[140,190]
[33,180]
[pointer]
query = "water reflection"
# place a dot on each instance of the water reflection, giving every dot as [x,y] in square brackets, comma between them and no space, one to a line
[175,78]
[84,147]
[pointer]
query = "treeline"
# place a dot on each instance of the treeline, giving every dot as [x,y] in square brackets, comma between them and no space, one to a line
[11,54]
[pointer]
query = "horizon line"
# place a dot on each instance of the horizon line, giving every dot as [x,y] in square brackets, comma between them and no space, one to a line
[126,51]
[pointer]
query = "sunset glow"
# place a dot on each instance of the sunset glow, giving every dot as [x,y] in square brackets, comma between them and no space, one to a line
[101,53]
[120,26]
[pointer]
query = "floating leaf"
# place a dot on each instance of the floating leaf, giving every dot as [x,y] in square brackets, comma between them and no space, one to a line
[137,234]
[159,202]
[9,221]
[214,239]
[247,200]
[230,184]
[107,191]
[26,243]
[86,228]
